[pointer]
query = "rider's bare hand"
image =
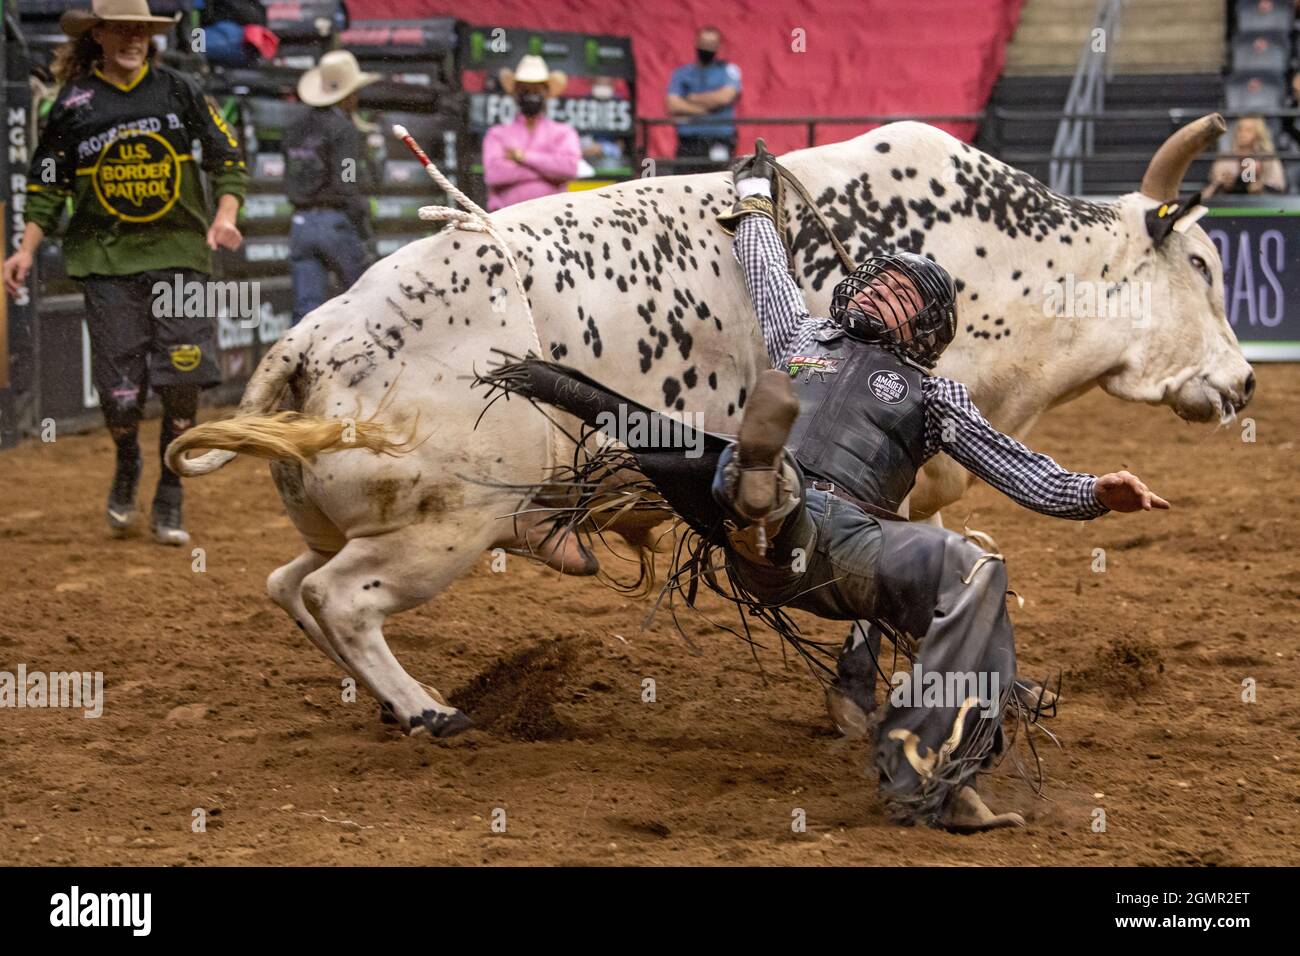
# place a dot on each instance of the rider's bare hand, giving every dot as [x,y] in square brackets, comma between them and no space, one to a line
[1123,491]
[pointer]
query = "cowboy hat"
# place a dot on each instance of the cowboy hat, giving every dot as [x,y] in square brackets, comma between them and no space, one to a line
[336,78]
[532,69]
[77,22]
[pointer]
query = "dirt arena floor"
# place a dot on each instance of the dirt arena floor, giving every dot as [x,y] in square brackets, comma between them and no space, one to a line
[215,701]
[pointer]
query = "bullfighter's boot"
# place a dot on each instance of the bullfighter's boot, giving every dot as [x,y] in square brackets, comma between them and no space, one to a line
[166,519]
[121,509]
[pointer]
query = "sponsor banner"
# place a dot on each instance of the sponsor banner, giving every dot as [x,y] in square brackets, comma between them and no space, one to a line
[19,336]
[406,39]
[304,20]
[489,48]
[1260,249]
[585,114]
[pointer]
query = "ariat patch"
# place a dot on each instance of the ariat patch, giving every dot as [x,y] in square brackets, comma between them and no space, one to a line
[819,365]
[185,358]
[889,387]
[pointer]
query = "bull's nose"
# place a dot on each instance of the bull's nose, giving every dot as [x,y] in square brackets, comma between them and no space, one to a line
[1247,389]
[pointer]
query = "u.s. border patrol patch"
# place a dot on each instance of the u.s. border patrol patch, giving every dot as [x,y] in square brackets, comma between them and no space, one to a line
[889,387]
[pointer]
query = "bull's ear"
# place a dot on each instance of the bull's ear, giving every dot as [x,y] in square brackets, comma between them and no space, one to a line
[1161,219]
[1176,216]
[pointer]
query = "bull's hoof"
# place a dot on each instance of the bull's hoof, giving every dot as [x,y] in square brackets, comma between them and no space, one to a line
[848,714]
[1037,698]
[386,715]
[434,723]
[561,551]
[967,813]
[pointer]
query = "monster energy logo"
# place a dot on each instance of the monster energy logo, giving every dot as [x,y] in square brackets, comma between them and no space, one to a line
[821,366]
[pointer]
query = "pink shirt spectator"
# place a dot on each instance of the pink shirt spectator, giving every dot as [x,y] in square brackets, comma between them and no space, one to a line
[551,156]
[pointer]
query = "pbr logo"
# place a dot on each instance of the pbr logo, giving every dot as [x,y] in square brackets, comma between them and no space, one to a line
[810,365]
[889,387]
[78,97]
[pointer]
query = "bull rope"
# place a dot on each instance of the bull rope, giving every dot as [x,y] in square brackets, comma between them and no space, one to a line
[474,218]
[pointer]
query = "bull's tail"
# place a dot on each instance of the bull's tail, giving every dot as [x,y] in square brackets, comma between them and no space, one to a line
[259,431]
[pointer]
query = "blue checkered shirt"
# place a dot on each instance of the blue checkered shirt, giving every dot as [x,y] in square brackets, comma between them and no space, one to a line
[952,422]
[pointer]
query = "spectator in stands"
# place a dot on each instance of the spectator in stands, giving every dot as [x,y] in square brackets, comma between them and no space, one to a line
[1252,171]
[117,143]
[328,178]
[533,155]
[702,100]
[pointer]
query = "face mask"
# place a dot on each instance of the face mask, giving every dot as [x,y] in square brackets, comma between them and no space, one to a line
[705,56]
[530,104]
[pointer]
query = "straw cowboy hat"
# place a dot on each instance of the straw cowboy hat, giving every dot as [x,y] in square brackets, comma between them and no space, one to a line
[77,22]
[532,69]
[336,78]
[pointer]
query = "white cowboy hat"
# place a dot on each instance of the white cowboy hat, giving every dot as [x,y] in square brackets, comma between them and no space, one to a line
[336,78]
[77,22]
[532,69]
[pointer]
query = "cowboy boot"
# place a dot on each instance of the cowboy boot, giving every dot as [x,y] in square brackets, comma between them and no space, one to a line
[760,446]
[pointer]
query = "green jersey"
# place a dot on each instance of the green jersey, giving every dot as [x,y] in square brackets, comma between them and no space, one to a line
[125,156]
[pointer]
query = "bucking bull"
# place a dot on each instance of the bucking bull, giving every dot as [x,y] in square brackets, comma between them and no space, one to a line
[635,285]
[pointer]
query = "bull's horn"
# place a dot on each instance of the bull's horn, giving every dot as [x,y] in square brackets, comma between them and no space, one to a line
[1168,166]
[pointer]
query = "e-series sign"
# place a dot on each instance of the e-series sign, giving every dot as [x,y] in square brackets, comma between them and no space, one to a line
[584,113]
[1261,278]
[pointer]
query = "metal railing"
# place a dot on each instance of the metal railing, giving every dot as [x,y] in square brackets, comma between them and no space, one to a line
[1084,165]
[810,124]
[1075,135]
[1167,120]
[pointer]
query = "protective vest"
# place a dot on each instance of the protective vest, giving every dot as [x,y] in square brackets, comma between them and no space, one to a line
[861,421]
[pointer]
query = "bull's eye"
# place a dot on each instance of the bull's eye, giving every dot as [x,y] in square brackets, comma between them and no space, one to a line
[1203,267]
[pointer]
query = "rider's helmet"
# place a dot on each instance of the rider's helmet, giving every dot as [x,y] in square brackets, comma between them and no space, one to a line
[903,302]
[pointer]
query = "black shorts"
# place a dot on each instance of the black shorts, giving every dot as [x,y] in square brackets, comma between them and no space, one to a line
[138,343]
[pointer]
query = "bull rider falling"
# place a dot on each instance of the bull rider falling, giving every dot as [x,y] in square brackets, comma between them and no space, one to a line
[803,503]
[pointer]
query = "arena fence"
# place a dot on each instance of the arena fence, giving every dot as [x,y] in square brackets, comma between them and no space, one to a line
[991,135]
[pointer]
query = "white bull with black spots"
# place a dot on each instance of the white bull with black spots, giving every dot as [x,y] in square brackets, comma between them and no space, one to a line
[635,284]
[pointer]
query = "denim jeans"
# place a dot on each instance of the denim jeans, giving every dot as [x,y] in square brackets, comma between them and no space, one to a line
[943,596]
[321,242]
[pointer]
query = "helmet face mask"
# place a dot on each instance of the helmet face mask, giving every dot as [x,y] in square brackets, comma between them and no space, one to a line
[903,302]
